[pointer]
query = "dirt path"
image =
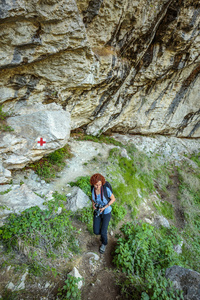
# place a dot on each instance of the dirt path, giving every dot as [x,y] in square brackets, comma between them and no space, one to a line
[99,277]
[97,269]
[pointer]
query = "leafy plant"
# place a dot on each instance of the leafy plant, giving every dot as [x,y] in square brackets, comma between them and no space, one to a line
[70,290]
[143,254]
[83,183]
[44,229]
[118,214]
[85,215]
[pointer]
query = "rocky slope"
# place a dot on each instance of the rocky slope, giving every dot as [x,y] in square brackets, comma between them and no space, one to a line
[111,66]
[28,190]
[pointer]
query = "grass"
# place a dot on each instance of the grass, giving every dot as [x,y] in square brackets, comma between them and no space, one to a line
[189,196]
[134,178]
[3,125]
[5,192]
[166,209]
[80,136]
[47,167]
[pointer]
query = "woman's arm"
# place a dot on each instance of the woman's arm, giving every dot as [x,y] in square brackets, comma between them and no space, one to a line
[112,199]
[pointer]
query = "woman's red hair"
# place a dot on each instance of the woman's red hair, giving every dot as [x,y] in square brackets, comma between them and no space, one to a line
[97,177]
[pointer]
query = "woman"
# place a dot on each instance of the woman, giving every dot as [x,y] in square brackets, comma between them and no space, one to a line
[101,220]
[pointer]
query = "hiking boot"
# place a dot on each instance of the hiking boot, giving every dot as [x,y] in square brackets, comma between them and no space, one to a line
[102,248]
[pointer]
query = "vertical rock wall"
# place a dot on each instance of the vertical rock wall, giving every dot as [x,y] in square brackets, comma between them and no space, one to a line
[114,65]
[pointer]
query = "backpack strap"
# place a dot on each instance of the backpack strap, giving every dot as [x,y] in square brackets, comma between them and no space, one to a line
[101,192]
[107,184]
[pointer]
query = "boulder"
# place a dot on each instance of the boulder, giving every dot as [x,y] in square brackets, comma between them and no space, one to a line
[17,198]
[186,280]
[76,274]
[38,130]
[161,221]
[77,200]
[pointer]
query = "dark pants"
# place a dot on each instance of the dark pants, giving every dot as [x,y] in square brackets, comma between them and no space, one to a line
[100,226]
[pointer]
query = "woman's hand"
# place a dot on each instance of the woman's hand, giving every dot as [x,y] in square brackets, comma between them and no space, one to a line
[102,209]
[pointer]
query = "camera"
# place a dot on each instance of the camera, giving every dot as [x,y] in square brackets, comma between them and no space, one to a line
[97,210]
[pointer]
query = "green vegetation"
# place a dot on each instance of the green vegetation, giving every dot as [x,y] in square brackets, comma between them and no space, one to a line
[166,209]
[143,253]
[50,165]
[85,215]
[3,117]
[5,192]
[83,182]
[98,139]
[41,231]
[136,177]
[196,159]
[70,290]
[118,214]
[189,196]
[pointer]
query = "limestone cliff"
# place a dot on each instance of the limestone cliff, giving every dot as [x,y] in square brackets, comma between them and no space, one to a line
[115,65]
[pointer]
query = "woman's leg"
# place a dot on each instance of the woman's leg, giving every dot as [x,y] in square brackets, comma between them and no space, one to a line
[104,228]
[97,225]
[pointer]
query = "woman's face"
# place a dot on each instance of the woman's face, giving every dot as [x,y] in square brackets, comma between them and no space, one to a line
[98,185]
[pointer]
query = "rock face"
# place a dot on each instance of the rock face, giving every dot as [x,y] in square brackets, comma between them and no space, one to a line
[186,280]
[116,65]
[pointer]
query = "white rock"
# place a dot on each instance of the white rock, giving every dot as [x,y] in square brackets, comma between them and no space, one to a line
[18,199]
[49,122]
[19,286]
[178,248]
[76,274]
[78,200]
[125,154]
[161,221]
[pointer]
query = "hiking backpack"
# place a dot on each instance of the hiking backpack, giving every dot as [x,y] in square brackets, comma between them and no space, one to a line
[107,184]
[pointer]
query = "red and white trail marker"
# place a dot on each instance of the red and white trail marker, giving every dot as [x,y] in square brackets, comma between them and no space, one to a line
[41,142]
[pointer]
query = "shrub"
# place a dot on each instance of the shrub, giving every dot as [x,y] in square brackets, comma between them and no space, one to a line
[143,254]
[40,228]
[83,183]
[85,215]
[70,290]
[118,214]
[189,196]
